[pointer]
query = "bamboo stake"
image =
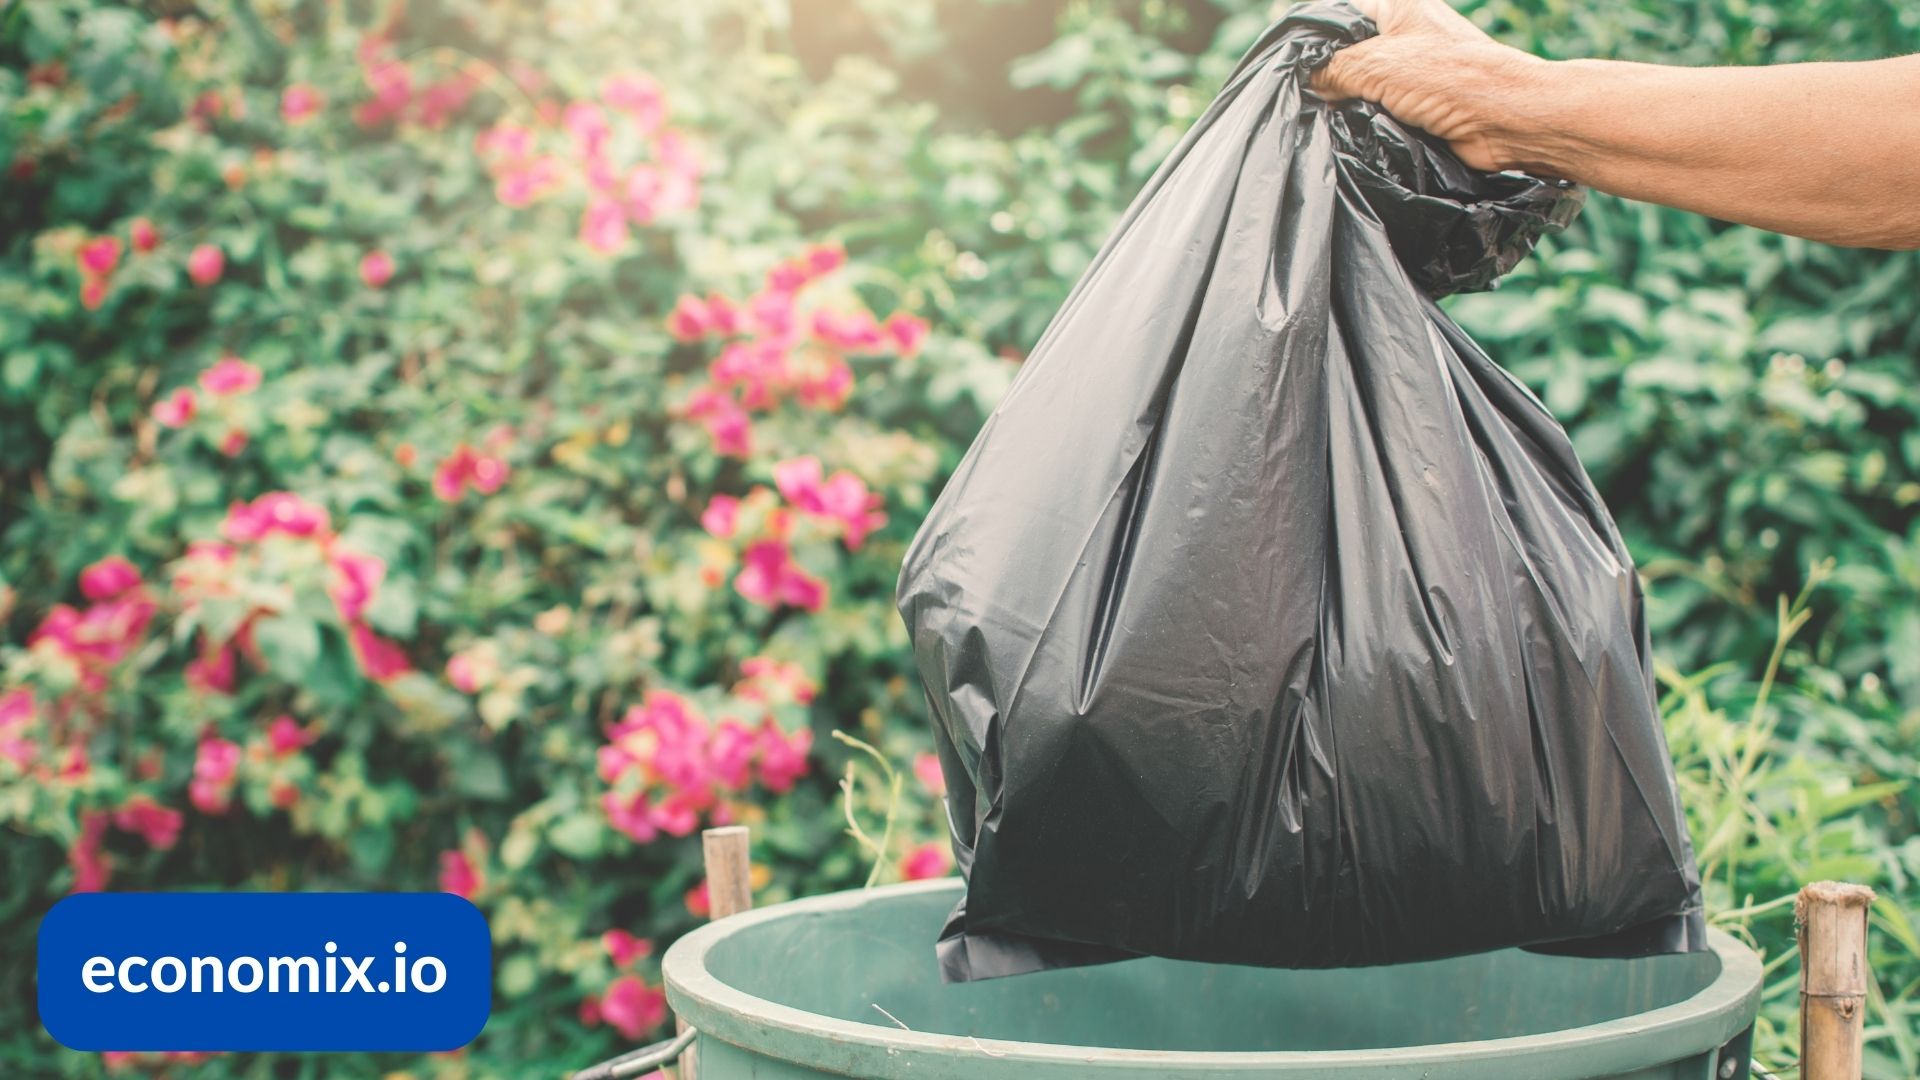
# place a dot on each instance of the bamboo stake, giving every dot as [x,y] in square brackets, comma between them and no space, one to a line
[1831,919]
[729,892]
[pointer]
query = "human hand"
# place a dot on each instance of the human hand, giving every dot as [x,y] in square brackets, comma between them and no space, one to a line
[1433,69]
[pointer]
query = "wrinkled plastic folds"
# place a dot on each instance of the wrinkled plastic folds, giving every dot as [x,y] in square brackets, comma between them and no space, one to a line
[1268,621]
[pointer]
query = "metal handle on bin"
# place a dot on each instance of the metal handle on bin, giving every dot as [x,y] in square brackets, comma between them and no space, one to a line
[635,1062]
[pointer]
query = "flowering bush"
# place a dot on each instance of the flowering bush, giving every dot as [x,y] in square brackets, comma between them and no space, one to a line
[434,467]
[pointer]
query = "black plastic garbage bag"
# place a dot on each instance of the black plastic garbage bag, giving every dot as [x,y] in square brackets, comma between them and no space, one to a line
[1267,621]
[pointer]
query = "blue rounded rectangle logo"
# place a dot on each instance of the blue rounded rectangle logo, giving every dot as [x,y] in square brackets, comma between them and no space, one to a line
[265,971]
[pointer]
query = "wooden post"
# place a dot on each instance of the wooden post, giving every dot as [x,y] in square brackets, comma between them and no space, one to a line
[1831,918]
[729,892]
[729,871]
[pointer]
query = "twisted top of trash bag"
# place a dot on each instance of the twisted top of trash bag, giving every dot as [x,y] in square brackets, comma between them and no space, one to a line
[1453,227]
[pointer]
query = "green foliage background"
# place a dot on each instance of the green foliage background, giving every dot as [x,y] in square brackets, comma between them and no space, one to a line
[1746,401]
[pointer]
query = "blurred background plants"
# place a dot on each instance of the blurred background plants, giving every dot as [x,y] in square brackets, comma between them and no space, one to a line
[469,444]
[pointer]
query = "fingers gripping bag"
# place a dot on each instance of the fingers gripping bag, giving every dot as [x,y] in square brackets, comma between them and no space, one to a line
[1268,621]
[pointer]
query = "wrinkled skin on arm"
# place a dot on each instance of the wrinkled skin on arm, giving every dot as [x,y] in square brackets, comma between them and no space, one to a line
[1826,151]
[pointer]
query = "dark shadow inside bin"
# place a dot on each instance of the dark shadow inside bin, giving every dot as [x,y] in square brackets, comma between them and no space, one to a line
[843,963]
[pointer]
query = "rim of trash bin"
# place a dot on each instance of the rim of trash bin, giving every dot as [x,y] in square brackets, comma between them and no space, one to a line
[1701,1022]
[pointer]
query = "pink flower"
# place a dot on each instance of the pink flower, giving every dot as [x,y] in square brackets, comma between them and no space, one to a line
[99,255]
[632,1007]
[441,100]
[630,814]
[639,97]
[77,765]
[730,754]
[229,376]
[108,578]
[298,103]
[285,736]
[382,660]
[758,367]
[798,480]
[772,313]
[854,332]
[645,195]
[728,318]
[677,815]
[906,332]
[376,269]
[96,639]
[217,760]
[17,708]
[355,577]
[728,424]
[279,512]
[177,409]
[205,264]
[844,498]
[770,577]
[770,681]
[677,154]
[690,319]
[144,236]
[392,85]
[458,874]
[722,516]
[826,385]
[926,769]
[603,227]
[468,466]
[503,140]
[158,825]
[588,126]
[234,441]
[787,278]
[929,860]
[212,672]
[522,185]
[783,757]
[624,947]
[824,259]
[214,769]
[698,904]
[91,868]
[93,293]
[464,672]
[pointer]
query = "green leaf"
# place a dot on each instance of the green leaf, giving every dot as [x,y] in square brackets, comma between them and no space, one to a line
[579,835]
[289,644]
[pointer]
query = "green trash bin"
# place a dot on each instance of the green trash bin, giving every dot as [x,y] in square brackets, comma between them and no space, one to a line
[846,985]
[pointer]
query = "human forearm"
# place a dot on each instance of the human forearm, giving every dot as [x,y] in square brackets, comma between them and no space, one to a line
[1826,151]
[1830,152]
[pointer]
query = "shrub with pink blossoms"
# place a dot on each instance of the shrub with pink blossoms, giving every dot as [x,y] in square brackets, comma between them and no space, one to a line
[442,406]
